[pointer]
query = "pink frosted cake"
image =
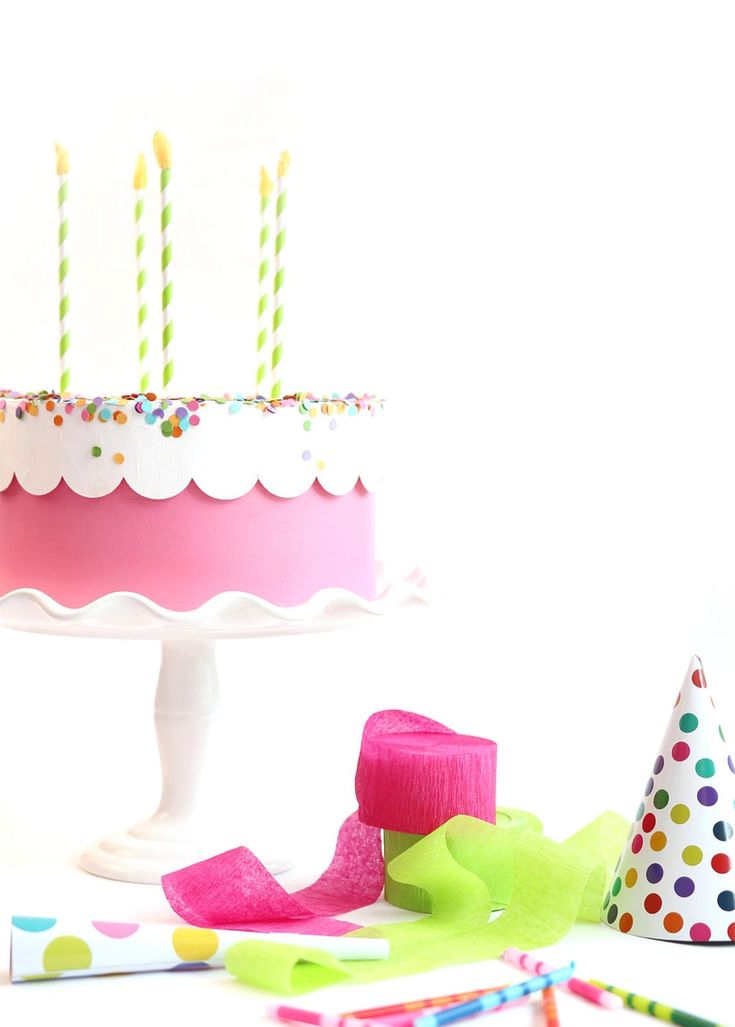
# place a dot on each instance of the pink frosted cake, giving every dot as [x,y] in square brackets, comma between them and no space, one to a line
[180,500]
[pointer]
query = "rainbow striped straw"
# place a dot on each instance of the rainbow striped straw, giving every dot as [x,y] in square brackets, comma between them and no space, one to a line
[497,998]
[162,148]
[266,188]
[422,1003]
[140,181]
[279,277]
[62,170]
[524,961]
[548,1003]
[657,1009]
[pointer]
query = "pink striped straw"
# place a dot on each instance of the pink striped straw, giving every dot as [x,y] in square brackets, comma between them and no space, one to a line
[524,961]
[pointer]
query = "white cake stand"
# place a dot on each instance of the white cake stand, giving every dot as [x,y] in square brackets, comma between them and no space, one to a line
[180,831]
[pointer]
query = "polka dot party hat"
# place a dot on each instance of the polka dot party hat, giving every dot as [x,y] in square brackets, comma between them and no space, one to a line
[675,878]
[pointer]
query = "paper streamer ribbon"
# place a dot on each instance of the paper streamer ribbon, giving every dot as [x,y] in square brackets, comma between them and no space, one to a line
[235,891]
[467,866]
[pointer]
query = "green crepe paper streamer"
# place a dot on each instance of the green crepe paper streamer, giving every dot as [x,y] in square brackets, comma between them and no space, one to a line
[284,969]
[468,867]
[407,896]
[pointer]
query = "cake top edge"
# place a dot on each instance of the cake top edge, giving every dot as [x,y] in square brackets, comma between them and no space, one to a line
[145,402]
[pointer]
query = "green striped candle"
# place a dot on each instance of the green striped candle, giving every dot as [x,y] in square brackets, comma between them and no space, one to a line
[266,188]
[162,149]
[279,276]
[657,1009]
[140,181]
[62,170]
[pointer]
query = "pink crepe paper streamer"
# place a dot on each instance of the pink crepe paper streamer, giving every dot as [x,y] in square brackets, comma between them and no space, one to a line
[235,891]
[414,774]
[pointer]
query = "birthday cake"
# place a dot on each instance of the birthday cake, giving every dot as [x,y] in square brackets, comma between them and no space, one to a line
[182,499]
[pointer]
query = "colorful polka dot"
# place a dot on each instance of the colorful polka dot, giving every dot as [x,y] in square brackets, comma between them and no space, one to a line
[661,799]
[67,953]
[698,679]
[721,863]
[680,813]
[606,903]
[114,930]
[612,914]
[726,901]
[306,455]
[705,768]
[688,723]
[34,923]
[637,844]
[654,873]
[96,451]
[700,932]
[684,887]
[658,841]
[692,855]
[707,796]
[626,923]
[649,822]
[118,458]
[194,943]
[631,878]
[680,752]
[649,786]
[653,903]
[730,764]
[731,932]
[639,812]
[722,831]
[617,885]
[58,420]
[658,766]
[673,923]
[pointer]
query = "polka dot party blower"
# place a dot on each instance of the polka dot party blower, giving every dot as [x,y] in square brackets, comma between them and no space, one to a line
[675,878]
[43,947]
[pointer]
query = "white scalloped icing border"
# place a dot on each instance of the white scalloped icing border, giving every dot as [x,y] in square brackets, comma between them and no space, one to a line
[228,615]
[225,455]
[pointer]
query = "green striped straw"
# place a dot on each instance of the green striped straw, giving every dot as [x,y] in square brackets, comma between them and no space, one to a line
[162,149]
[140,181]
[266,188]
[62,170]
[657,1009]
[277,350]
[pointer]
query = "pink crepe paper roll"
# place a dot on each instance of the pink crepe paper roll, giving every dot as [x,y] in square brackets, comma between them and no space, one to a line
[414,774]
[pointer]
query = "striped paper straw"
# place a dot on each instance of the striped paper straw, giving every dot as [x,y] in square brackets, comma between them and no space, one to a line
[657,1009]
[140,181]
[277,350]
[420,1003]
[525,961]
[162,149]
[548,1004]
[62,170]
[266,188]
[497,998]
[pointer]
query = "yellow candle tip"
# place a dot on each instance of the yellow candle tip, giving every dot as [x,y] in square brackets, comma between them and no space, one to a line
[140,178]
[62,160]
[283,163]
[162,148]
[266,184]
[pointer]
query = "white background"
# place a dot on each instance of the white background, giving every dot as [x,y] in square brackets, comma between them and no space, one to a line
[515,220]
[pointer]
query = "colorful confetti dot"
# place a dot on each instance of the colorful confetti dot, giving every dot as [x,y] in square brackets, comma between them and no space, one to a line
[684,887]
[626,923]
[680,813]
[700,932]
[96,451]
[688,723]
[673,923]
[707,796]
[721,863]
[631,878]
[692,855]
[118,458]
[658,841]
[680,752]
[661,799]
[653,903]
[654,873]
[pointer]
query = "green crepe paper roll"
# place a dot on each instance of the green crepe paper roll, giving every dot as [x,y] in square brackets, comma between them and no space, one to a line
[407,896]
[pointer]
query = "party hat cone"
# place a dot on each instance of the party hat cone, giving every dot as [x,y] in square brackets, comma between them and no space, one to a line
[675,878]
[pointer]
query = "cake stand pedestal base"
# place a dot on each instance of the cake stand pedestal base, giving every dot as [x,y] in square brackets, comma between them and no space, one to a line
[179,832]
